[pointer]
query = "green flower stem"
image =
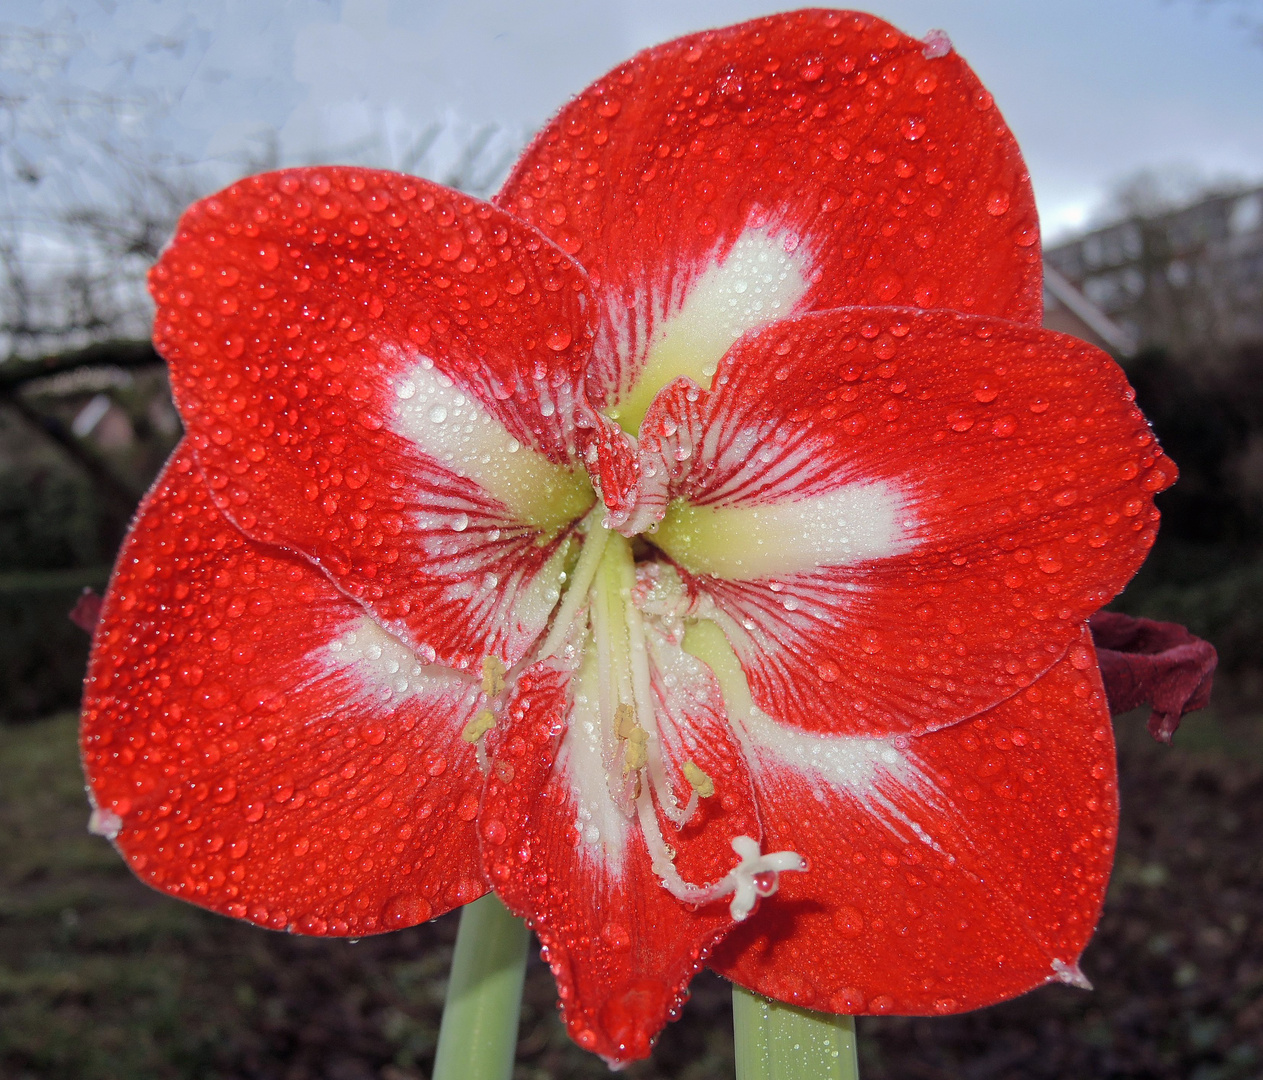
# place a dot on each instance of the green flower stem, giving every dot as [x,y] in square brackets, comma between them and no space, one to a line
[478,1036]
[781,1042]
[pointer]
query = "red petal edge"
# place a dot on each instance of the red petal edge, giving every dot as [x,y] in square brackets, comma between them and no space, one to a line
[997,893]
[1160,663]
[245,755]
[893,167]
[295,308]
[1020,457]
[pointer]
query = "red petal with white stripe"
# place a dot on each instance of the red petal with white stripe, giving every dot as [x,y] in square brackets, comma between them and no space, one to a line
[901,517]
[825,148]
[381,373]
[560,852]
[257,745]
[969,869]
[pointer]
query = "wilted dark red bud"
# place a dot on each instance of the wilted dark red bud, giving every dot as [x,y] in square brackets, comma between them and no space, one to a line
[1156,662]
[87,611]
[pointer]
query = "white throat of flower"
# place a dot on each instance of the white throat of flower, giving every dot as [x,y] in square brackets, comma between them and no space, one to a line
[599,631]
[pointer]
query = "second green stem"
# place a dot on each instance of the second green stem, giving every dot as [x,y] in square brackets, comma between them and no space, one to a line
[478,1036]
[775,1041]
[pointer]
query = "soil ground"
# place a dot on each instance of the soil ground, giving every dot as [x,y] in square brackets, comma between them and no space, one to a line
[102,979]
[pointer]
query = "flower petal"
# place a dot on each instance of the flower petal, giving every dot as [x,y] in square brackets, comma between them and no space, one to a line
[903,517]
[380,373]
[802,161]
[255,744]
[967,869]
[560,851]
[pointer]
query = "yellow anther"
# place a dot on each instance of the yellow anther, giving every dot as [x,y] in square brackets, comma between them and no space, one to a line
[493,676]
[698,780]
[478,726]
[624,721]
[637,753]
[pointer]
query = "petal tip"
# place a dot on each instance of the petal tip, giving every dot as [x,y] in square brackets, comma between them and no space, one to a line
[936,45]
[1070,974]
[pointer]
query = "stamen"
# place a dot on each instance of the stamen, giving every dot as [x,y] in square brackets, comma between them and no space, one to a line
[493,676]
[596,536]
[698,780]
[636,755]
[483,722]
[618,683]
[624,720]
[679,816]
[636,737]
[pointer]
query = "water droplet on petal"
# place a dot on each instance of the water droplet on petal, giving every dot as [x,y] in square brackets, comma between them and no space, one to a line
[986,390]
[405,909]
[912,128]
[998,203]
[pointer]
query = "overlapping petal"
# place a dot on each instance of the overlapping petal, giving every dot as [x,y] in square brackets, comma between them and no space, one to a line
[586,867]
[965,867]
[255,744]
[381,373]
[811,160]
[902,517]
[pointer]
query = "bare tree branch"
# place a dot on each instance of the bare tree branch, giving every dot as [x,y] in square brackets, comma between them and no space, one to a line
[16,373]
[121,495]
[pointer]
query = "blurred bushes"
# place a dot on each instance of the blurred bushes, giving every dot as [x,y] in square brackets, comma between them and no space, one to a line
[42,653]
[66,496]
[1206,570]
[50,520]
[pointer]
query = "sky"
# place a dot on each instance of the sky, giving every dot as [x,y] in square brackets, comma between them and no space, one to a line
[1095,90]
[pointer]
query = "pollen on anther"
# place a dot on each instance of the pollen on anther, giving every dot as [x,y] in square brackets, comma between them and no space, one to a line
[492,676]
[637,749]
[624,721]
[483,722]
[698,780]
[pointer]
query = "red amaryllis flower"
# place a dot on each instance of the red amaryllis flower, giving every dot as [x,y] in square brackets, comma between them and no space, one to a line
[708,514]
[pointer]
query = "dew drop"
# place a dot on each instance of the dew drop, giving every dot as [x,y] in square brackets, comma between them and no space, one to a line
[615,935]
[912,128]
[405,909]
[1004,427]
[558,339]
[998,202]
